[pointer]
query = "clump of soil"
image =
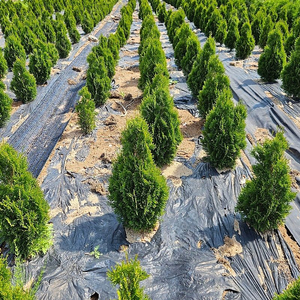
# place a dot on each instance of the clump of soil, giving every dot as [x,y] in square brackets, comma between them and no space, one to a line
[133,236]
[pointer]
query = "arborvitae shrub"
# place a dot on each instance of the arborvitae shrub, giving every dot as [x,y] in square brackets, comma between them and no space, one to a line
[114,46]
[198,14]
[233,33]
[138,192]
[213,23]
[28,39]
[77,12]
[291,292]
[121,36]
[282,26]
[273,59]
[193,50]
[125,24]
[152,56]
[290,74]
[267,27]
[221,32]
[224,131]
[158,110]
[48,30]
[148,32]
[62,44]
[97,80]
[23,83]
[128,275]
[216,82]
[24,213]
[3,65]
[40,63]
[53,53]
[162,12]
[5,105]
[13,50]
[87,22]
[104,51]
[198,73]
[180,43]
[145,10]
[246,43]
[257,25]
[265,200]
[86,111]
[175,20]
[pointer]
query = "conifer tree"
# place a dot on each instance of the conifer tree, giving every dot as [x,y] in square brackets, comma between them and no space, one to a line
[138,192]
[28,39]
[53,53]
[273,59]
[158,110]
[86,111]
[128,275]
[257,25]
[48,30]
[62,43]
[193,50]
[175,20]
[198,14]
[114,45]
[213,23]
[290,41]
[265,200]
[180,43]
[87,22]
[23,83]
[198,73]
[282,26]
[5,105]
[13,50]
[246,43]
[3,65]
[216,82]
[40,63]
[97,80]
[233,33]
[267,27]
[224,131]
[290,74]
[162,12]
[221,32]
[121,36]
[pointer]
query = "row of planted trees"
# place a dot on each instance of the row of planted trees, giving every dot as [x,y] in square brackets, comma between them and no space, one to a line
[242,25]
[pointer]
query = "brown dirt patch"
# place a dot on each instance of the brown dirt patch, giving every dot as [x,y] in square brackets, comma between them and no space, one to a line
[175,171]
[294,174]
[261,135]
[15,106]
[133,236]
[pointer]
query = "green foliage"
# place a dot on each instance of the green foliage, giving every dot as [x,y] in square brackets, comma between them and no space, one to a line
[198,73]
[198,14]
[213,23]
[221,32]
[138,192]
[28,39]
[53,53]
[233,33]
[23,83]
[153,55]
[180,43]
[7,290]
[273,59]
[175,20]
[114,45]
[145,9]
[13,50]
[87,22]
[3,65]
[193,50]
[48,30]
[97,80]
[245,44]
[257,25]
[265,200]
[157,109]
[224,131]
[290,74]
[267,27]
[121,36]
[292,292]
[127,275]
[86,111]
[40,63]
[62,44]
[5,106]
[148,33]
[282,26]
[24,213]
[162,12]
[216,82]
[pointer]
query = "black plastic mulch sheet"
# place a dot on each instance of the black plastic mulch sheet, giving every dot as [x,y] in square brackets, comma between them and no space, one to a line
[202,250]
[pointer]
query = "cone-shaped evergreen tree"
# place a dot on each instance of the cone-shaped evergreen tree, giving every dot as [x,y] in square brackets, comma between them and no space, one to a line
[5,105]
[213,23]
[198,74]
[221,32]
[114,46]
[198,14]
[267,27]
[233,33]
[87,22]
[174,22]
[13,50]
[273,59]
[23,83]
[97,80]
[180,43]
[28,39]
[158,110]
[138,192]
[224,131]
[290,74]
[245,44]
[282,26]
[193,50]
[62,44]
[128,275]
[265,200]
[257,25]
[86,111]
[216,82]
[162,12]
[48,30]
[40,63]
[290,41]
[3,65]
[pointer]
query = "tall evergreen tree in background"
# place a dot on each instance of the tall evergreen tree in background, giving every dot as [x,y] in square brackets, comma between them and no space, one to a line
[3,65]
[233,33]
[13,50]
[267,27]
[246,43]
[5,105]
[265,200]
[62,43]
